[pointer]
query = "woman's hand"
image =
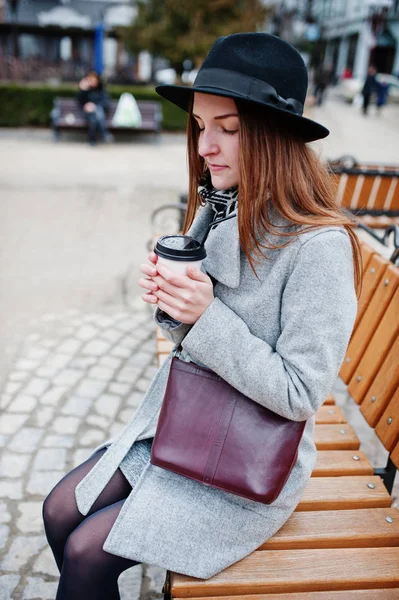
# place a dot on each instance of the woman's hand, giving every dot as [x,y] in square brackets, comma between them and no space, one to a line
[182,297]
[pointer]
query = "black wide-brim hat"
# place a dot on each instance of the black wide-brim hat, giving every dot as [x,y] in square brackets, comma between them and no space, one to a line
[256,67]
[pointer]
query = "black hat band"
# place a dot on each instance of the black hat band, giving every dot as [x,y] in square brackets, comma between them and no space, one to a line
[248,87]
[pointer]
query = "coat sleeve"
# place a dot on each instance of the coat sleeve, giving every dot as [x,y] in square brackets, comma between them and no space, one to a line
[318,309]
[173,330]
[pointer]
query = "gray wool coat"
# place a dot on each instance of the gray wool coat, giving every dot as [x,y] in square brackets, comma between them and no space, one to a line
[280,339]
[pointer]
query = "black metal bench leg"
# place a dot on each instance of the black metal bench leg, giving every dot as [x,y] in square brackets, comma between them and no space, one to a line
[166,587]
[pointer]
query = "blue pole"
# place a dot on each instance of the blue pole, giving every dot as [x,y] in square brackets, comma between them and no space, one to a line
[98,48]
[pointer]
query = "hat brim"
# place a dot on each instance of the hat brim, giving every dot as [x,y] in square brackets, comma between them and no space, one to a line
[303,127]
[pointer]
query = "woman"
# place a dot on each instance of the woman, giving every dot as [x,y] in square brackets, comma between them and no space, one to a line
[271,313]
[94,102]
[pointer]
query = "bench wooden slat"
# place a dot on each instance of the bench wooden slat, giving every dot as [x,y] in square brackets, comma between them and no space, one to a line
[339,493]
[329,400]
[387,427]
[386,594]
[371,277]
[369,323]
[336,437]
[366,528]
[366,253]
[336,463]
[330,414]
[298,571]
[383,387]
[376,351]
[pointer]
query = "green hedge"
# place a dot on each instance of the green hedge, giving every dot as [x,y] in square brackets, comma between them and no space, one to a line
[22,106]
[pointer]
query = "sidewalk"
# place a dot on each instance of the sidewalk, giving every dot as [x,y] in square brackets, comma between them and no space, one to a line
[78,379]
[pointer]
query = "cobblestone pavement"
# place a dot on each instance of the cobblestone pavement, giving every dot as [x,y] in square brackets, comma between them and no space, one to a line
[78,379]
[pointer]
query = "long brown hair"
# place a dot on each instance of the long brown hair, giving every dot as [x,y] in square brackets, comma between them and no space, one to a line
[274,164]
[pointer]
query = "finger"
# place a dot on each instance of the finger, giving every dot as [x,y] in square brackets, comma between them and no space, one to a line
[170,300]
[148,270]
[172,312]
[176,279]
[150,298]
[198,275]
[147,284]
[152,257]
[177,292]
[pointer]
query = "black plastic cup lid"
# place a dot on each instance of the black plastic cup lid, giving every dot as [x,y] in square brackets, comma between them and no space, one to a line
[179,247]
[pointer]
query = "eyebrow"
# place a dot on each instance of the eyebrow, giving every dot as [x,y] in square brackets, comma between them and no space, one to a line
[219,117]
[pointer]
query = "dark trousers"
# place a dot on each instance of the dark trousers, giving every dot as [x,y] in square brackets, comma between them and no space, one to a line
[366,101]
[96,123]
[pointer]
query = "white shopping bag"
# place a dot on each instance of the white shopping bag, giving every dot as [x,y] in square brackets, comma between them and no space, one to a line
[127,113]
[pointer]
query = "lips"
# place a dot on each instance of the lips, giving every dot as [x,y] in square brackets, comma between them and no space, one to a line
[216,167]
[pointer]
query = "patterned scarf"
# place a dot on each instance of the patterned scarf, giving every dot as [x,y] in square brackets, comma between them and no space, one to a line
[223,202]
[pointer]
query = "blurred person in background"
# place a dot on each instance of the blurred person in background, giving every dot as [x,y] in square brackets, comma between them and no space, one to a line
[322,79]
[369,87]
[94,102]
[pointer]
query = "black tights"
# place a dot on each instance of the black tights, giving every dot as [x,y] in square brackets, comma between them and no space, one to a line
[87,571]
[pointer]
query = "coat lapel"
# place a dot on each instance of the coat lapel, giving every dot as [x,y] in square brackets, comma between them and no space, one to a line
[222,247]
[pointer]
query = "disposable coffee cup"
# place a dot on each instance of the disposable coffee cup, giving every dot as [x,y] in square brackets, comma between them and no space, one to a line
[178,252]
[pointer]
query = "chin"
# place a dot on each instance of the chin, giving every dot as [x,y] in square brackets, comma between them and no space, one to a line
[222,183]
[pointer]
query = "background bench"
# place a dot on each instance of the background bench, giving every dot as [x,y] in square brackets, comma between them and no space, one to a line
[342,542]
[67,114]
[369,191]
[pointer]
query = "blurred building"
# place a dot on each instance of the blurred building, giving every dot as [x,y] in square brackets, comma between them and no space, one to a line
[44,38]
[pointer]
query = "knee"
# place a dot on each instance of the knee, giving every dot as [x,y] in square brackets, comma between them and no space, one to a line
[79,555]
[55,513]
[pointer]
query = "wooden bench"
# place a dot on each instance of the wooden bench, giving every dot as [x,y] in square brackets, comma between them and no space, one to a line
[342,542]
[369,191]
[67,114]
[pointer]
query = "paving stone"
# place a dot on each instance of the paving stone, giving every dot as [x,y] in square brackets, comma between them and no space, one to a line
[36,587]
[143,384]
[107,405]
[129,583]
[4,531]
[127,326]
[77,406]
[83,362]
[49,343]
[42,482]
[97,421]
[80,456]
[70,346]
[3,440]
[11,489]
[13,465]
[31,520]
[18,375]
[27,365]
[5,516]
[121,352]
[8,583]
[50,458]
[134,399]
[53,396]
[119,388]
[95,348]
[68,377]
[111,335]
[46,372]
[12,387]
[9,424]
[21,551]
[57,361]
[151,371]
[103,373]
[128,375]
[58,441]
[90,388]
[141,359]
[65,331]
[86,333]
[115,429]
[110,362]
[92,436]
[66,424]
[45,563]
[126,415]
[5,400]
[23,404]
[26,440]
[36,386]
[103,321]
[36,354]
[43,416]
[130,342]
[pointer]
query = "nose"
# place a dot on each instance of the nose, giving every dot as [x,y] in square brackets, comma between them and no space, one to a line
[207,144]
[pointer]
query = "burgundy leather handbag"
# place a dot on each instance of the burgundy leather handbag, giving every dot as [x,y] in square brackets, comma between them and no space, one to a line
[210,432]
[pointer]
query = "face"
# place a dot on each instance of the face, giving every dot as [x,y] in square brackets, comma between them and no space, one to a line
[218,144]
[92,81]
